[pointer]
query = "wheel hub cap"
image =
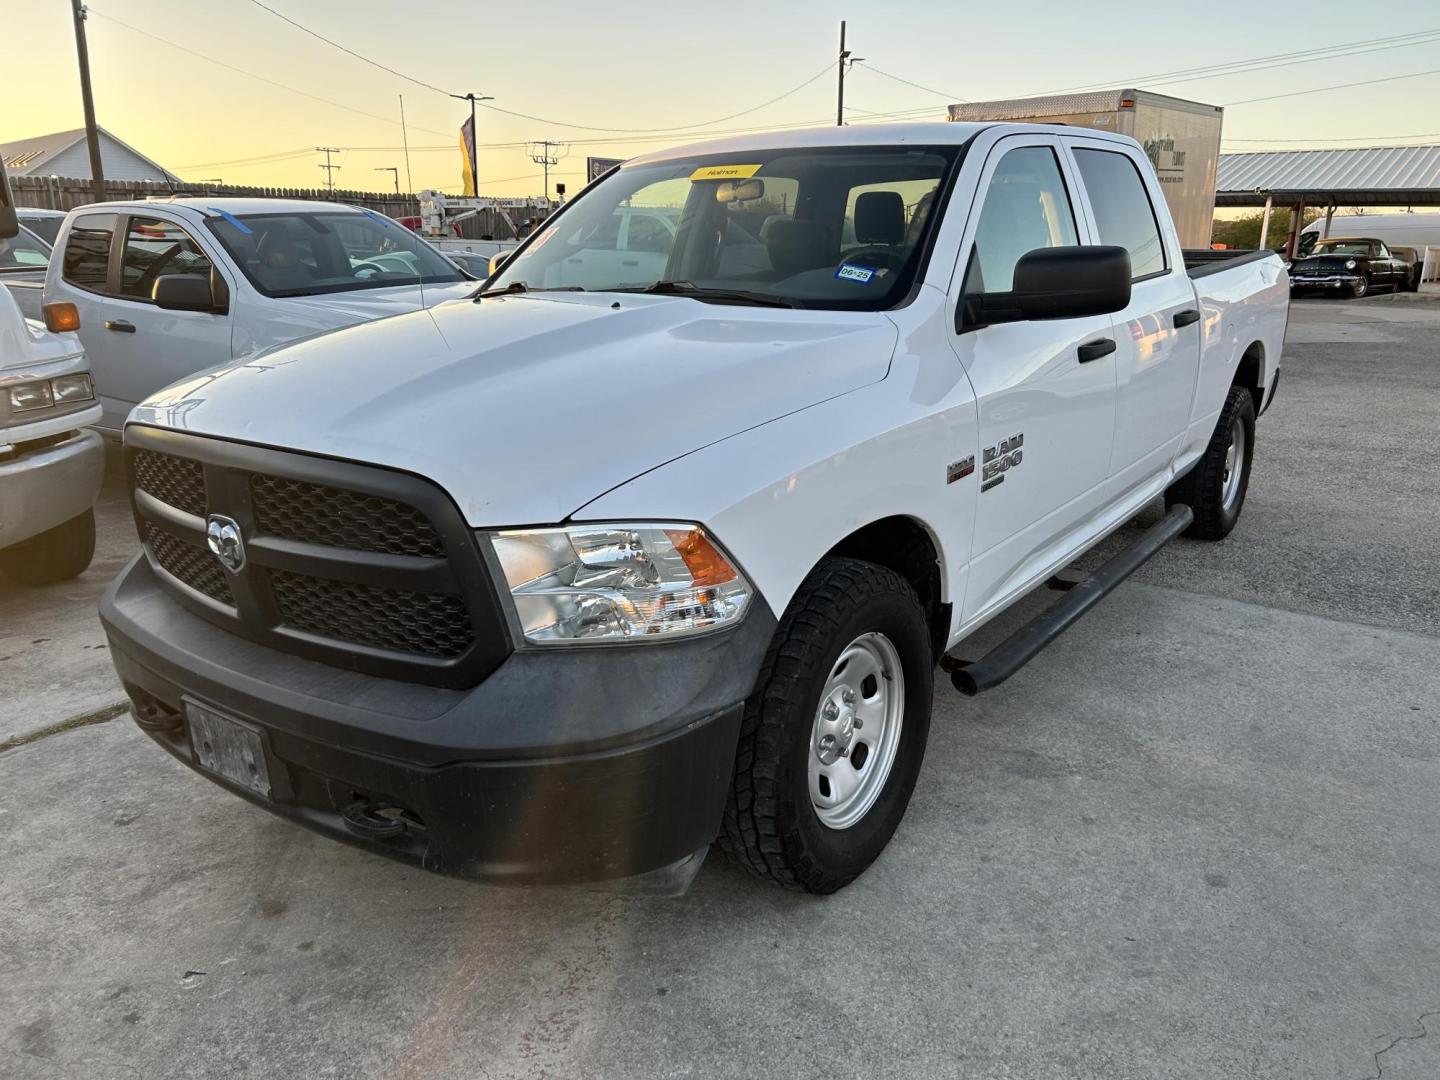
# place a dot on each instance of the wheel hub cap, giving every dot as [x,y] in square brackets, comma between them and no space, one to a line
[857,730]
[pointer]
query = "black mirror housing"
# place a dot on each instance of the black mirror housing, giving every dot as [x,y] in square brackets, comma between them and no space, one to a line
[183,292]
[1055,283]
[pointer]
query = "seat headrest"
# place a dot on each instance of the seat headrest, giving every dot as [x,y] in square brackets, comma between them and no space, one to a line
[880,218]
[791,244]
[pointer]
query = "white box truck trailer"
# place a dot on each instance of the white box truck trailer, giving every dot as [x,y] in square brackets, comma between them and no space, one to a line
[1181,138]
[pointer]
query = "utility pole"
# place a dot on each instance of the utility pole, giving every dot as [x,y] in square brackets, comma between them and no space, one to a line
[845,61]
[329,169]
[92,133]
[405,135]
[394,171]
[544,152]
[474,134]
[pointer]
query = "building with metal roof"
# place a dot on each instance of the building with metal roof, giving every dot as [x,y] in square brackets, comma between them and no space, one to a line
[64,153]
[1368,176]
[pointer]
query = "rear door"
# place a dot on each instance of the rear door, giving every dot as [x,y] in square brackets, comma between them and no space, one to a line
[1158,335]
[145,347]
[1045,414]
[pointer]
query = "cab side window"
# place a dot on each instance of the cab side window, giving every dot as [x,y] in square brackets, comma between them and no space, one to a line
[1123,212]
[24,251]
[87,251]
[1026,207]
[154,247]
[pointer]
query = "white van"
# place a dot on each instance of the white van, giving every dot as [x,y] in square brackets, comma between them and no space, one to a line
[1403,230]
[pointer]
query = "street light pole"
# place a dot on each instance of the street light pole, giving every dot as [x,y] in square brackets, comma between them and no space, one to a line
[92,133]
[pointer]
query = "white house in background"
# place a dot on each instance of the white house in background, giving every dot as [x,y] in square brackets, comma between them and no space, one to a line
[65,153]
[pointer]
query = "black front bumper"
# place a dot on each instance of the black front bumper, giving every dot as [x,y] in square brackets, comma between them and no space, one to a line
[562,765]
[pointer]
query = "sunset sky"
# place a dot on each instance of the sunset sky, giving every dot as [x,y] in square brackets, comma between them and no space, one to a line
[666,66]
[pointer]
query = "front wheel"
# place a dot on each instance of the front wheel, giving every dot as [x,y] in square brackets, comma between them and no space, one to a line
[1215,487]
[56,554]
[1360,288]
[834,732]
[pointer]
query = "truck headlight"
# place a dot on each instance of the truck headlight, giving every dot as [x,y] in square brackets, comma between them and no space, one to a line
[620,582]
[72,388]
[1349,264]
[27,396]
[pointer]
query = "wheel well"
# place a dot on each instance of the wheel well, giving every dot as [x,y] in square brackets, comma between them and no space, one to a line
[902,544]
[1249,373]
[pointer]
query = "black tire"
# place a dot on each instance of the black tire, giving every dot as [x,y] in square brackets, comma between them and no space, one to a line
[771,826]
[1203,487]
[56,554]
[1360,288]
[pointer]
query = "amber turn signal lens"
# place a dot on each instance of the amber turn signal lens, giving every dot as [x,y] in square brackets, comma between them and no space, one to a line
[62,318]
[705,563]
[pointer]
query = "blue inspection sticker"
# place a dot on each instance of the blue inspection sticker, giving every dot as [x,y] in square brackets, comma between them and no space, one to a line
[232,219]
[861,275]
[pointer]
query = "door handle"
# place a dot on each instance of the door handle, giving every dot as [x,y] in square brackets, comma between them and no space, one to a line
[1094,350]
[120,325]
[1186,317]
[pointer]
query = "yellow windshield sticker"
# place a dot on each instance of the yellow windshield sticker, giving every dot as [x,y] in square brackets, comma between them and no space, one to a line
[724,172]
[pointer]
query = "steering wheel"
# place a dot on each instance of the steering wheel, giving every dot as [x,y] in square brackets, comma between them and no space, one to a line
[880,258]
[370,265]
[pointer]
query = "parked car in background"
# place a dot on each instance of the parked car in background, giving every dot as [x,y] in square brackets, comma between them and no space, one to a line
[24,258]
[51,466]
[561,583]
[1350,266]
[1405,230]
[43,223]
[166,288]
[1416,259]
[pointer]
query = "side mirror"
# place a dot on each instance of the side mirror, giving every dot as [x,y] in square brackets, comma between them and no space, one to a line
[183,292]
[1055,283]
[499,259]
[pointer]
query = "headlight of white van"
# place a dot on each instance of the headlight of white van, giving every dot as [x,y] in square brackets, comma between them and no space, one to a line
[620,582]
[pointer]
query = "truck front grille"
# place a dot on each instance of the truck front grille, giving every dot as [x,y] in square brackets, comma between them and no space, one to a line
[352,565]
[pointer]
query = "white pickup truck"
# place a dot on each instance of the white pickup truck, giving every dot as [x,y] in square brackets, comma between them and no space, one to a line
[566,581]
[169,287]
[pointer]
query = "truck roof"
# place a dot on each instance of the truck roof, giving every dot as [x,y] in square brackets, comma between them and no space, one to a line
[933,133]
[201,204]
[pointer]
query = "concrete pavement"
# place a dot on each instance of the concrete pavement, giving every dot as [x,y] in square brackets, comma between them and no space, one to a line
[1195,838]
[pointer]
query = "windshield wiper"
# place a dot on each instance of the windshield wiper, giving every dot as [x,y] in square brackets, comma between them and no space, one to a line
[719,296]
[520,286]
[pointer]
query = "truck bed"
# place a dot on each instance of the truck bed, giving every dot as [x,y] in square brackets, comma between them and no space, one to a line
[1202,261]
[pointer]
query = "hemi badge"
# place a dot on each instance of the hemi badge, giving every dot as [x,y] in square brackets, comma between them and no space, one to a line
[960,469]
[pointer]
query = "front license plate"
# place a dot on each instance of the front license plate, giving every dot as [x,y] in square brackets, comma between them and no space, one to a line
[227,748]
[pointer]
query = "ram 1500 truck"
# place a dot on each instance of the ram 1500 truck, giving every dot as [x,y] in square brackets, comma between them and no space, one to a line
[624,554]
[51,466]
[169,287]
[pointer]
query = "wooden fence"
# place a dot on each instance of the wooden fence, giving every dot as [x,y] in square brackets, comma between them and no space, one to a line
[62,193]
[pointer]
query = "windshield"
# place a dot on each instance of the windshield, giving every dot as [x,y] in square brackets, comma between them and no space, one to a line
[1342,247]
[25,251]
[822,228]
[307,254]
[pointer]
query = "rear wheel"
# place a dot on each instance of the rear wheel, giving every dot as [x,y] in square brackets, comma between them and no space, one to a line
[54,555]
[1215,488]
[835,731]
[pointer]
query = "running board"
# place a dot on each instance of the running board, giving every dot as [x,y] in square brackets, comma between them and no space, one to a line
[971,677]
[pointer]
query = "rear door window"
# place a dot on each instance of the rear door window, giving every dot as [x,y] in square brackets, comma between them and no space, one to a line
[155,247]
[1123,211]
[87,251]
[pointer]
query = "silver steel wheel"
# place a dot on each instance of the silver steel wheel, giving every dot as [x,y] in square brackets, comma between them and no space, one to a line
[1234,466]
[856,731]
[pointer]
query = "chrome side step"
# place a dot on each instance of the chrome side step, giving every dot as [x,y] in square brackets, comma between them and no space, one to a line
[972,676]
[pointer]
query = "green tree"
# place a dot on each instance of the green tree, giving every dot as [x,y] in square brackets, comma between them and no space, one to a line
[1244,232]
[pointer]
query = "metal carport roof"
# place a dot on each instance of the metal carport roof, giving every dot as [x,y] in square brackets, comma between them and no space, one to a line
[1371,176]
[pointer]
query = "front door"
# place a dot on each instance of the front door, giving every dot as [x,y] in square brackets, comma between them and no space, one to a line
[1046,408]
[145,347]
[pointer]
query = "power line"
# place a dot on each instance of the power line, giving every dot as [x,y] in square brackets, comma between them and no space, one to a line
[1337,86]
[907,82]
[527,116]
[250,74]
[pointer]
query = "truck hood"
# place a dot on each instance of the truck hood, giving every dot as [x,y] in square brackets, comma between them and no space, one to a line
[525,408]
